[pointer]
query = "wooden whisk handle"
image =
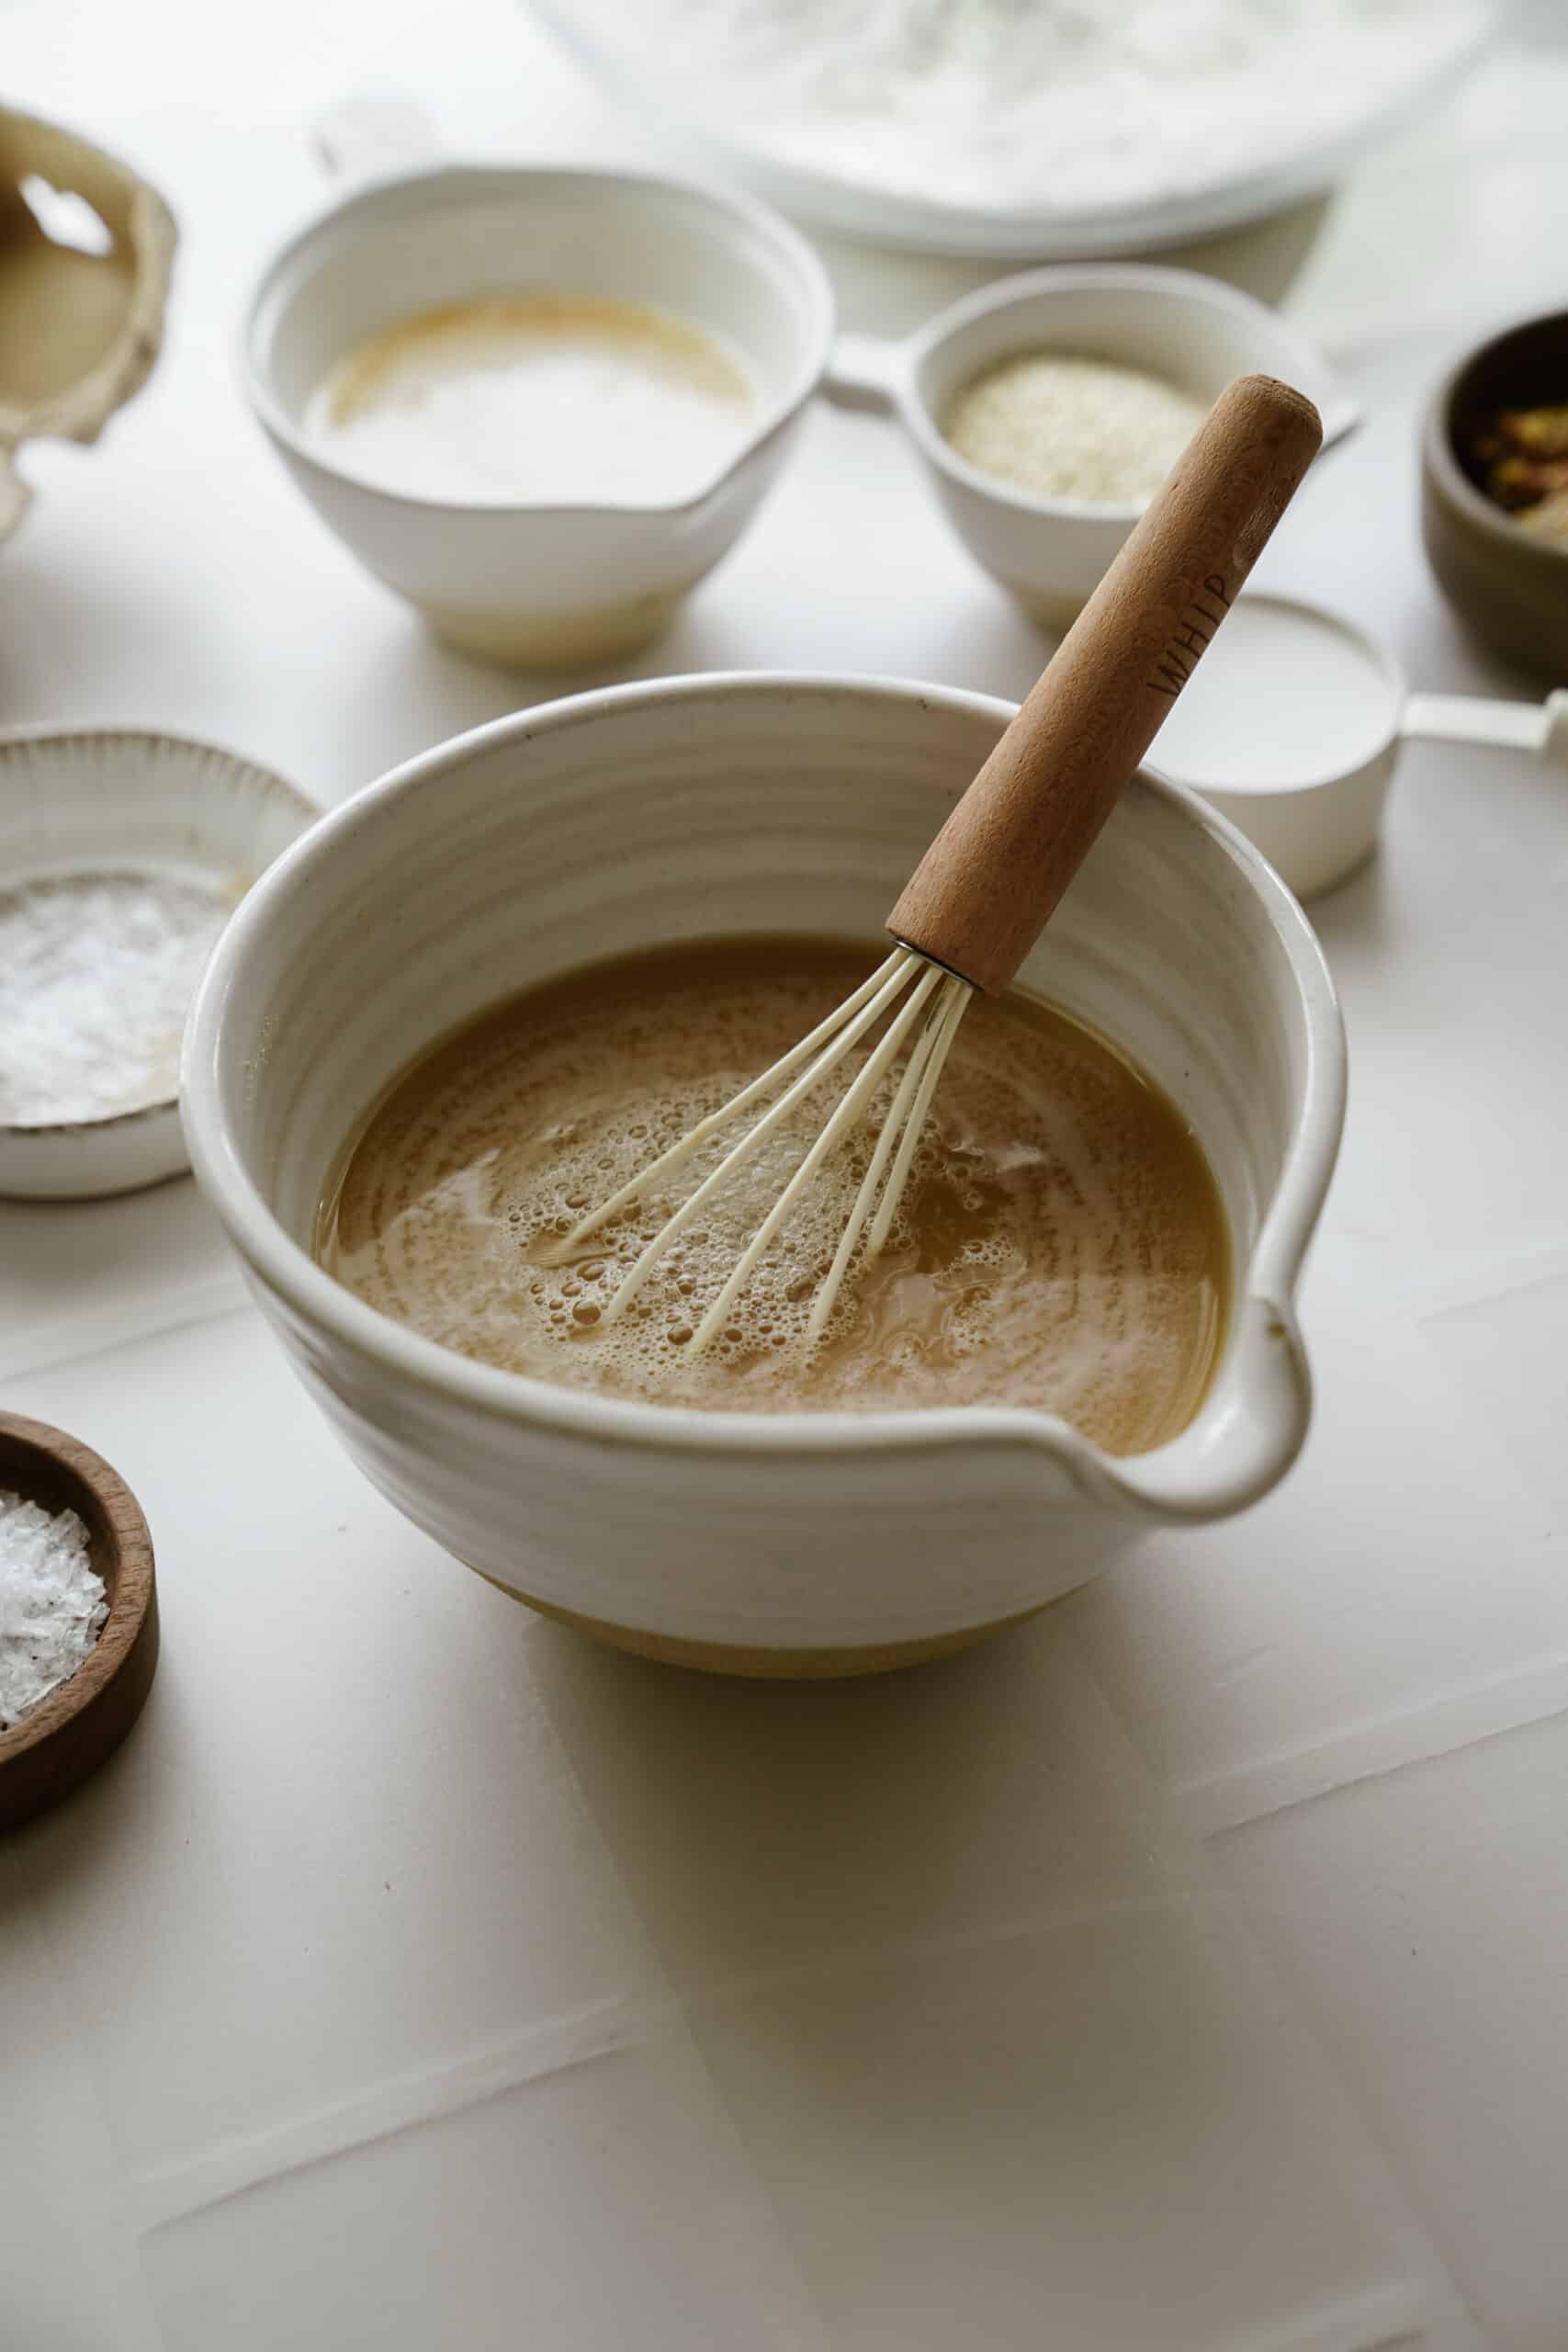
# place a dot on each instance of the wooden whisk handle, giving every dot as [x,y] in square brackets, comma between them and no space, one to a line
[980,897]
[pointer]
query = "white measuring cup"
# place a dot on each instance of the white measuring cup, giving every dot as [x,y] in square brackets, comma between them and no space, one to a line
[1292,727]
[1195,332]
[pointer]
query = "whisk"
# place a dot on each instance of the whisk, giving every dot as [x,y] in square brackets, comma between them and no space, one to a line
[982,894]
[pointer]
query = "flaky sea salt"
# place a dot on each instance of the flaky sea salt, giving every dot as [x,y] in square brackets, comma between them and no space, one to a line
[53,1607]
[97,972]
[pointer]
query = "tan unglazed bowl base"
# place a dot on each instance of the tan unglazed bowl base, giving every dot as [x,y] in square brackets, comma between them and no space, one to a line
[762,1665]
[532,640]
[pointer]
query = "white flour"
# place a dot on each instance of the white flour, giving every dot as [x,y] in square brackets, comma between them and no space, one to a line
[96,975]
[53,1606]
[1064,104]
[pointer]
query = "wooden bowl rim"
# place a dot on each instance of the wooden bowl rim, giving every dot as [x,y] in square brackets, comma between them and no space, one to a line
[133,1584]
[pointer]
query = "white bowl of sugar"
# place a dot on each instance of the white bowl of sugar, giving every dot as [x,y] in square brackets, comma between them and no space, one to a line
[540,404]
[122,854]
[1048,408]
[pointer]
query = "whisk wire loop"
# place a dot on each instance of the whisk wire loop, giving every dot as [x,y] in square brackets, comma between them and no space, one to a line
[848,1110]
[866,1007]
[955,1003]
[879,986]
[926,988]
[905,1121]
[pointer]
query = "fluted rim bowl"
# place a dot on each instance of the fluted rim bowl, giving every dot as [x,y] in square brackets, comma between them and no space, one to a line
[651,796]
[90,800]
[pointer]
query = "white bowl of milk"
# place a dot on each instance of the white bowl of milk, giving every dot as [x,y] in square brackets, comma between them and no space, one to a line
[539,403]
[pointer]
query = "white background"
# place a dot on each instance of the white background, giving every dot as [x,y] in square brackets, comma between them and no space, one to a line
[1187,1970]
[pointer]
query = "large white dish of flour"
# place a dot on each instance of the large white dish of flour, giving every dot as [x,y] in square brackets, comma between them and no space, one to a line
[1057,132]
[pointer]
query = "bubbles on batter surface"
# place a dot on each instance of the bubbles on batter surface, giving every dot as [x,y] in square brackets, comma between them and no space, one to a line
[1058,1243]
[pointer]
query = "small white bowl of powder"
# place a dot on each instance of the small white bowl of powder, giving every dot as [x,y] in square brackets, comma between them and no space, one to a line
[1049,407]
[122,854]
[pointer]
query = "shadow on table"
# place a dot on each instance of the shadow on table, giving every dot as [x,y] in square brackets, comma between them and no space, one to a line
[1264,259]
[772,1833]
[760,1825]
[964,1994]
[1354,922]
[412,692]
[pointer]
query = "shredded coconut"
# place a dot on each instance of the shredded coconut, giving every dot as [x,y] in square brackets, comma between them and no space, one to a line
[53,1607]
[1073,428]
[96,975]
[1066,105]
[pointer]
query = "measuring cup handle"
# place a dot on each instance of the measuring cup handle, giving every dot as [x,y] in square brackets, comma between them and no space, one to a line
[863,373]
[1341,413]
[376,137]
[1555,742]
[1542,727]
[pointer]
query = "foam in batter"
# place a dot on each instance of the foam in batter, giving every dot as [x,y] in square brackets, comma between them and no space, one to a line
[1060,1245]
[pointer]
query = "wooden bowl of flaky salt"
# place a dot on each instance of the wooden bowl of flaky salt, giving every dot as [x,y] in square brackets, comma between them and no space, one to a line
[78,1615]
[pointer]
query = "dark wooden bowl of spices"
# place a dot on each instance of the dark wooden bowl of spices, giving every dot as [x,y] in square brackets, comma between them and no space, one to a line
[1495,493]
[54,1746]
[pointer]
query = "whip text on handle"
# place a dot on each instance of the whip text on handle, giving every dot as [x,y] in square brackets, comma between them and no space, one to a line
[1186,643]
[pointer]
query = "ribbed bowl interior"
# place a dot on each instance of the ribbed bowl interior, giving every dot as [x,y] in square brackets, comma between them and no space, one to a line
[706,806]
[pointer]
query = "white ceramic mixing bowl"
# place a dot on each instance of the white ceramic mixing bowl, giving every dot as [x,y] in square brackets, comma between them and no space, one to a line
[538,584]
[650,813]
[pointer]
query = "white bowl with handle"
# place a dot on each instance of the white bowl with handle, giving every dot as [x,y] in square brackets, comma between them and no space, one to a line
[538,585]
[620,820]
[1197,333]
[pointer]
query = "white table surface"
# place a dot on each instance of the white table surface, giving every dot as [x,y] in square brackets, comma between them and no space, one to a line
[1189,1970]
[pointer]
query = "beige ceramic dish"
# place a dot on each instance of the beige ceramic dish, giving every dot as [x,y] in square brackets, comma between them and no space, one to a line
[1508,586]
[81,323]
[786,1544]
